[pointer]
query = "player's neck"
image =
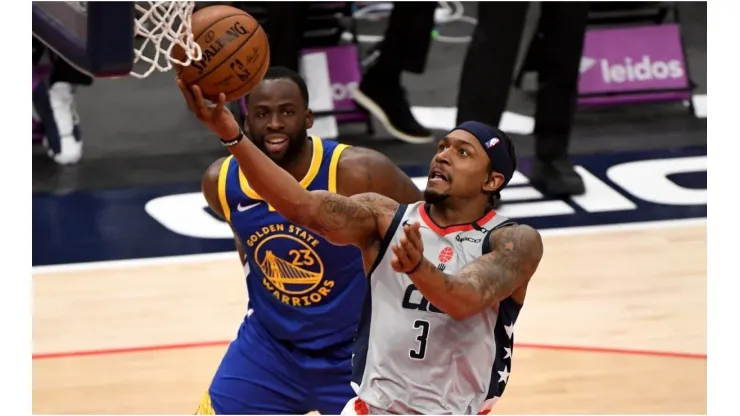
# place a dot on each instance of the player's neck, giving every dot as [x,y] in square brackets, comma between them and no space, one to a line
[447,213]
[299,165]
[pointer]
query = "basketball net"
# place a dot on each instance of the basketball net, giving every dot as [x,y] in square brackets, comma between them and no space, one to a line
[164,24]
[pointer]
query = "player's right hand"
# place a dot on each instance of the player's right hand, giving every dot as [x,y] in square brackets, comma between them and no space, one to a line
[218,118]
[409,252]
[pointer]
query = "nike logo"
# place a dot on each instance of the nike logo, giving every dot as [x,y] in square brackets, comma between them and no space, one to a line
[241,208]
[406,222]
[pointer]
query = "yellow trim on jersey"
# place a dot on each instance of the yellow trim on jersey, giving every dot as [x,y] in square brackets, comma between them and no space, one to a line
[205,407]
[333,166]
[313,170]
[222,174]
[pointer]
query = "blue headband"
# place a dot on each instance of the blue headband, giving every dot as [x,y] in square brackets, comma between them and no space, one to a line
[492,141]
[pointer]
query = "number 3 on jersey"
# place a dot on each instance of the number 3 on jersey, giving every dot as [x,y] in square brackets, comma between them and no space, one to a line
[421,351]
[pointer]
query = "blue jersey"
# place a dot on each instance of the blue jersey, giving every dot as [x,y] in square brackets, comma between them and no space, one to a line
[302,289]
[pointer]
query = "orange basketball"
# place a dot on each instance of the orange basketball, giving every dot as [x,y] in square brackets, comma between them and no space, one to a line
[235,57]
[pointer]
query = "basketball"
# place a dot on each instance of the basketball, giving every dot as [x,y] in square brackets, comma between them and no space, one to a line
[236,53]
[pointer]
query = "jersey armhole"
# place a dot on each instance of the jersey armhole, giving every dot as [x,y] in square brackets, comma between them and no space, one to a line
[334,165]
[487,240]
[389,233]
[222,175]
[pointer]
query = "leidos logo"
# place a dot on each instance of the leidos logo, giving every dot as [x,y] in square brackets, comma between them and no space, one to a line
[586,64]
[340,92]
[644,70]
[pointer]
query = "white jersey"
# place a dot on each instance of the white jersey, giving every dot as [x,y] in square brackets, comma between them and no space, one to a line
[411,358]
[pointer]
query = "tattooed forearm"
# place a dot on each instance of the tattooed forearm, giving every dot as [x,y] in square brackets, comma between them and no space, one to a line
[491,278]
[516,253]
[347,220]
[336,212]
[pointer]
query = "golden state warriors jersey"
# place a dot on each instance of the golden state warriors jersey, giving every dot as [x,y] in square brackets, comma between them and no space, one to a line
[301,288]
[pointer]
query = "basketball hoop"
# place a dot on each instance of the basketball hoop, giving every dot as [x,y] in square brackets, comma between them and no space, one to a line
[164,24]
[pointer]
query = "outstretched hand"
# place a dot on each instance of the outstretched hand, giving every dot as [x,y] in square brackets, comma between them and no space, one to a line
[409,252]
[217,117]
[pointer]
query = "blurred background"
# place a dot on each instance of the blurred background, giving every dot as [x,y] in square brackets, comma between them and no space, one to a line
[606,104]
[122,150]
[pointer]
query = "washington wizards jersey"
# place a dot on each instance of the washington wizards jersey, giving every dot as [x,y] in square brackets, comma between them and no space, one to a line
[410,357]
[301,288]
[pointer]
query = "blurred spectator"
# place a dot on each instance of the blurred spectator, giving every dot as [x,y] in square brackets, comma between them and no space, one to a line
[55,108]
[404,48]
[286,22]
[487,74]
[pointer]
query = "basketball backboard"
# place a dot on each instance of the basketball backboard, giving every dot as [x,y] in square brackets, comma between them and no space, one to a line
[96,37]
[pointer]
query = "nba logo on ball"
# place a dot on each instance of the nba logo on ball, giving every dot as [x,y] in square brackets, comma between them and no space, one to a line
[445,255]
[493,142]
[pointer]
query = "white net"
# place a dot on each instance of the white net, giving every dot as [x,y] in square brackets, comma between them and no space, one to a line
[164,24]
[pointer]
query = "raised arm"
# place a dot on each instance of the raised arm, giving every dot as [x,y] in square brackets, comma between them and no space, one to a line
[364,170]
[505,271]
[340,219]
[357,220]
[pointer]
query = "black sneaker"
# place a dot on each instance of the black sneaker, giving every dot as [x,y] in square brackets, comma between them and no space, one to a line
[388,104]
[557,178]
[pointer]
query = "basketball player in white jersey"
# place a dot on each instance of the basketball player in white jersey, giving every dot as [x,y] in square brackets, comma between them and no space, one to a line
[447,276]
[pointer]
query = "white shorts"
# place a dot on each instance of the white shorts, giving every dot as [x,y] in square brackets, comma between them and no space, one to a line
[356,407]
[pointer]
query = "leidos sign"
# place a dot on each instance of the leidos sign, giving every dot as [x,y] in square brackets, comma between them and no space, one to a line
[644,70]
[644,60]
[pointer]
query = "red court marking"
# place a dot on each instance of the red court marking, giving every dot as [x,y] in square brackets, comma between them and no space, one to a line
[125,350]
[614,351]
[163,347]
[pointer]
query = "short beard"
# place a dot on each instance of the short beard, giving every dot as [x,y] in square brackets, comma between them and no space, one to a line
[431,197]
[295,146]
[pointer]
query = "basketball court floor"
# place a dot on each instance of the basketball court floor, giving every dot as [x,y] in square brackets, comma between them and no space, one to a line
[614,323]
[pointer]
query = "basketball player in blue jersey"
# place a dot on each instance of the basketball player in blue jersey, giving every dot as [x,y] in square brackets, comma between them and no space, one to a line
[293,350]
[447,277]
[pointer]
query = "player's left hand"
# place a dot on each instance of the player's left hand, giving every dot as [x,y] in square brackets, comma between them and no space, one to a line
[218,118]
[409,252]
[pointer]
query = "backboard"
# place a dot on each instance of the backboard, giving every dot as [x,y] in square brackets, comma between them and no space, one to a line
[96,37]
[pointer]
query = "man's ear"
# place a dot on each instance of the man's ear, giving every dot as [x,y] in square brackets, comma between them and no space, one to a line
[494,182]
[309,119]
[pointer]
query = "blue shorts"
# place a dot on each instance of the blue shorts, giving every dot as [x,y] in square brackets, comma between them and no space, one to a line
[261,375]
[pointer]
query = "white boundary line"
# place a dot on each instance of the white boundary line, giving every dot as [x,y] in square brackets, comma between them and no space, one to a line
[196,258]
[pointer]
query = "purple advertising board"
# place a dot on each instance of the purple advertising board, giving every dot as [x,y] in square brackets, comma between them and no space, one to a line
[344,74]
[39,72]
[647,60]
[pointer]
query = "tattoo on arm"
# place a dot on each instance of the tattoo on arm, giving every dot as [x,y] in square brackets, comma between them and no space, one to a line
[349,220]
[516,253]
